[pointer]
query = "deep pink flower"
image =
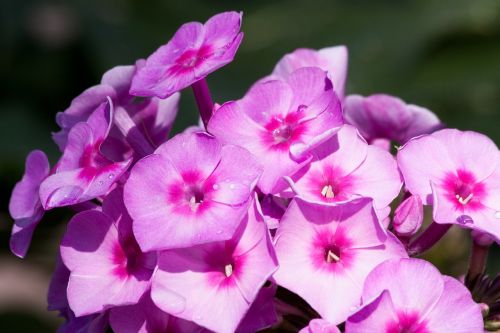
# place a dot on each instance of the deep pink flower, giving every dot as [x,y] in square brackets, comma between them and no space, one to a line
[153,116]
[320,326]
[331,59]
[326,252]
[459,174]
[190,191]
[107,266]
[410,295]
[345,167]
[383,118]
[25,206]
[195,51]
[146,317]
[280,121]
[215,284]
[83,172]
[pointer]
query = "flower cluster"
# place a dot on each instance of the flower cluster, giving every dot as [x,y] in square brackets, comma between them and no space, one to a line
[281,194]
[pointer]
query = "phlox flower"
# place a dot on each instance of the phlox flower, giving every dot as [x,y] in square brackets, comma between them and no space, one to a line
[195,51]
[383,118]
[410,295]
[83,172]
[192,190]
[153,116]
[459,174]
[279,121]
[107,266]
[345,167]
[215,284]
[326,252]
[25,206]
[330,59]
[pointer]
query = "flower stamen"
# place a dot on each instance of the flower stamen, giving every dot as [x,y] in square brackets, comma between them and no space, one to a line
[327,192]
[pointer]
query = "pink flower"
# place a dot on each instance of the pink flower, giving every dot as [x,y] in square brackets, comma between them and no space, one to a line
[320,326]
[383,118]
[190,191]
[326,252]
[154,116]
[345,167]
[145,317]
[410,295]
[280,121]
[331,59]
[195,51]
[25,206]
[459,174]
[107,266]
[83,172]
[215,284]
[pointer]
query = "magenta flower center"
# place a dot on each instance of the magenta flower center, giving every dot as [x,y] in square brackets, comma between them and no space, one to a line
[194,196]
[330,247]
[283,131]
[127,257]
[190,59]
[463,190]
[407,323]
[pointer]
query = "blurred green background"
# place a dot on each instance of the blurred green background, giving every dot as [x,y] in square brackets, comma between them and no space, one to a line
[442,54]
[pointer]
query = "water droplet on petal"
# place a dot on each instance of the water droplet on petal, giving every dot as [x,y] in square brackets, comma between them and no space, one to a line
[215,187]
[232,186]
[464,219]
[111,176]
[353,308]
[218,232]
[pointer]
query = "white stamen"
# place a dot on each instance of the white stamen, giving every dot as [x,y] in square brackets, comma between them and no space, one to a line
[228,270]
[327,192]
[193,204]
[466,200]
[332,257]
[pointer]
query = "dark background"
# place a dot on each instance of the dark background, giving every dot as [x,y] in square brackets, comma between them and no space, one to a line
[443,54]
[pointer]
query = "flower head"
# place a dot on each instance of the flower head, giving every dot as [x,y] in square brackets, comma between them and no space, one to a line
[192,190]
[195,51]
[83,172]
[107,266]
[280,121]
[383,118]
[326,252]
[410,295]
[460,177]
[215,284]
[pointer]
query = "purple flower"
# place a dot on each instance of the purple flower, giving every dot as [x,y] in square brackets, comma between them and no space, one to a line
[326,252]
[381,118]
[280,121]
[107,266]
[25,206]
[215,284]
[83,172]
[459,174]
[320,326]
[153,116]
[331,59]
[410,295]
[190,191]
[146,317]
[195,51]
[345,167]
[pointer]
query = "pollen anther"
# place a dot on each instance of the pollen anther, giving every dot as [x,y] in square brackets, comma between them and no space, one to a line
[228,270]
[327,192]
[466,200]
[332,257]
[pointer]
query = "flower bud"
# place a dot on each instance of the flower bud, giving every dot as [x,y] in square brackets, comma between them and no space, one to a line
[409,216]
[481,238]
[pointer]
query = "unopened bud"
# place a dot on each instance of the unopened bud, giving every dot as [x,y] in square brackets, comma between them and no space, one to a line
[481,238]
[409,216]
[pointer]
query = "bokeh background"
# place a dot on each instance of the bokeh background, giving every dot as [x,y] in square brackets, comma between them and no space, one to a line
[442,54]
